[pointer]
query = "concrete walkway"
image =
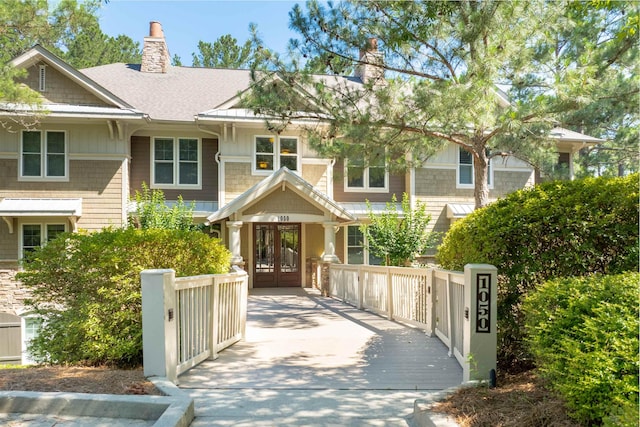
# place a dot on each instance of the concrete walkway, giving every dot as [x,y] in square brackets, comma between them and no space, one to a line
[313,361]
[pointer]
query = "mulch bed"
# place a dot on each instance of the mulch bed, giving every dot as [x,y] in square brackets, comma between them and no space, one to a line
[100,380]
[520,400]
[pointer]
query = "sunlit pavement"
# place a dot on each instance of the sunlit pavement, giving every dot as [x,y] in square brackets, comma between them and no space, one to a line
[309,360]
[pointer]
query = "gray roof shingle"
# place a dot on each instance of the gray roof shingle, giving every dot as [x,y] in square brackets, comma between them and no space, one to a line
[177,95]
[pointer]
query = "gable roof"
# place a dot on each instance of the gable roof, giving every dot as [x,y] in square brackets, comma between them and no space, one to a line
[282,176]
[40,54]
[177,95]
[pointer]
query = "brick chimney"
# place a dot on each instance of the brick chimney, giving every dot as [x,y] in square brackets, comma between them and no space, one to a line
[370,68]
[155,54]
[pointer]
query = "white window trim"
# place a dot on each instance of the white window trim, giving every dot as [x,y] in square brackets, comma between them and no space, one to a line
[276,155]
[176,164]
[43,232]
[365,249]
[473,175]
[43,158]
[365,179]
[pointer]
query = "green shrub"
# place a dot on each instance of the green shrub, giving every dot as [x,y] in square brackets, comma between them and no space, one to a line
[87,287]
[583,333]
[557,229]
[153,212]
[398,236]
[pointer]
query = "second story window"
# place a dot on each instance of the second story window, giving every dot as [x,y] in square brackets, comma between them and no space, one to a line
[466,176]
[176,162]
[43,155]
[272,153]
[366,174]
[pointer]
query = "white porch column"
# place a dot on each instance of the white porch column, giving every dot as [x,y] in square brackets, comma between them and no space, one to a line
[330,229]
[234,242]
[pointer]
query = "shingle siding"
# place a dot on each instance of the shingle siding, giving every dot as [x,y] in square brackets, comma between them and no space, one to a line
[59,89]
[97,182]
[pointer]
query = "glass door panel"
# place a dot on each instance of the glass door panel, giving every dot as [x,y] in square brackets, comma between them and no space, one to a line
[265,259]
[289,256]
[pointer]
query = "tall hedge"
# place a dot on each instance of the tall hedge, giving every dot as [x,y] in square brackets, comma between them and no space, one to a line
[584,334]
[557,229]
[87,287]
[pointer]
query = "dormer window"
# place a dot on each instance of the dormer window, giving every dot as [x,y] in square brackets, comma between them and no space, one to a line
[42,78]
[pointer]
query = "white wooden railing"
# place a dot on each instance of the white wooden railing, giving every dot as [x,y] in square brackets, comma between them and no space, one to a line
[190,319]
[457,307]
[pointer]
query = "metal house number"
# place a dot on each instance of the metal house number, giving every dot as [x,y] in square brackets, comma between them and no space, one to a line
[483,304]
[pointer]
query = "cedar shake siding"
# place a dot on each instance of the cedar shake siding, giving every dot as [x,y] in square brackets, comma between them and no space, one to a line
[238,179]
[59,89]
[140,171]
[316,175]
[282,202]
[397,186]
[97,182]
[437,187]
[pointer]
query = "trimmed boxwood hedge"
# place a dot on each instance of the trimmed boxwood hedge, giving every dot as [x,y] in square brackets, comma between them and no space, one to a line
[583,333]
[557,229]
[87,287]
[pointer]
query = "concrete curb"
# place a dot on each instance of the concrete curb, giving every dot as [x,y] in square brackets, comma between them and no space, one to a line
[173,410]
[424,417]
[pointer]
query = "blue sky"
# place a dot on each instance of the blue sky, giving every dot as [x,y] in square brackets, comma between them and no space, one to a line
[186,22]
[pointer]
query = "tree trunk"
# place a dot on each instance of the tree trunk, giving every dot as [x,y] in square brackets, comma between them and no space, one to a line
[480,171]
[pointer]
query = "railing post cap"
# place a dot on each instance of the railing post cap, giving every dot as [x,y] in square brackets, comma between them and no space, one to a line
[480,267]
[158,271]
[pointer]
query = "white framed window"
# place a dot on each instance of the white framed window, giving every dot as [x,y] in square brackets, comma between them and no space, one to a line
[357,248]
[465,174]
[367,173]
[43,155]
[176,162]
[34,235]
[272,153]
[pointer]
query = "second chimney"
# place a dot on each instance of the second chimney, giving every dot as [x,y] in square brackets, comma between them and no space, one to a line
[155,54]
[371,67]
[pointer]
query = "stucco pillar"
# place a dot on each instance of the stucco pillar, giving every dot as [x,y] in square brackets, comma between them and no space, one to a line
[234,242]
[330,229]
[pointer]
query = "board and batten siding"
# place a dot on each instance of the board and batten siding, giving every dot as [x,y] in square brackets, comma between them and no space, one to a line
[141,170]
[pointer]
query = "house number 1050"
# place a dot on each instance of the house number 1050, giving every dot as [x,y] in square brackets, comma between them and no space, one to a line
[283,218]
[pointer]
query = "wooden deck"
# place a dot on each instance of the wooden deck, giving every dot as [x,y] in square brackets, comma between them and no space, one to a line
[306,355]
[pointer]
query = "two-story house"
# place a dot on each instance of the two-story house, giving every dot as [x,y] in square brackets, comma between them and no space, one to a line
[274,201]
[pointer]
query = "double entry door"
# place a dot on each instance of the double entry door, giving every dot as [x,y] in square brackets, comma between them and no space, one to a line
[276,255]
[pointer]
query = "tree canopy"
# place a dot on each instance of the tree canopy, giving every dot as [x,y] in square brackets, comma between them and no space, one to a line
[444,66]
[224,53]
